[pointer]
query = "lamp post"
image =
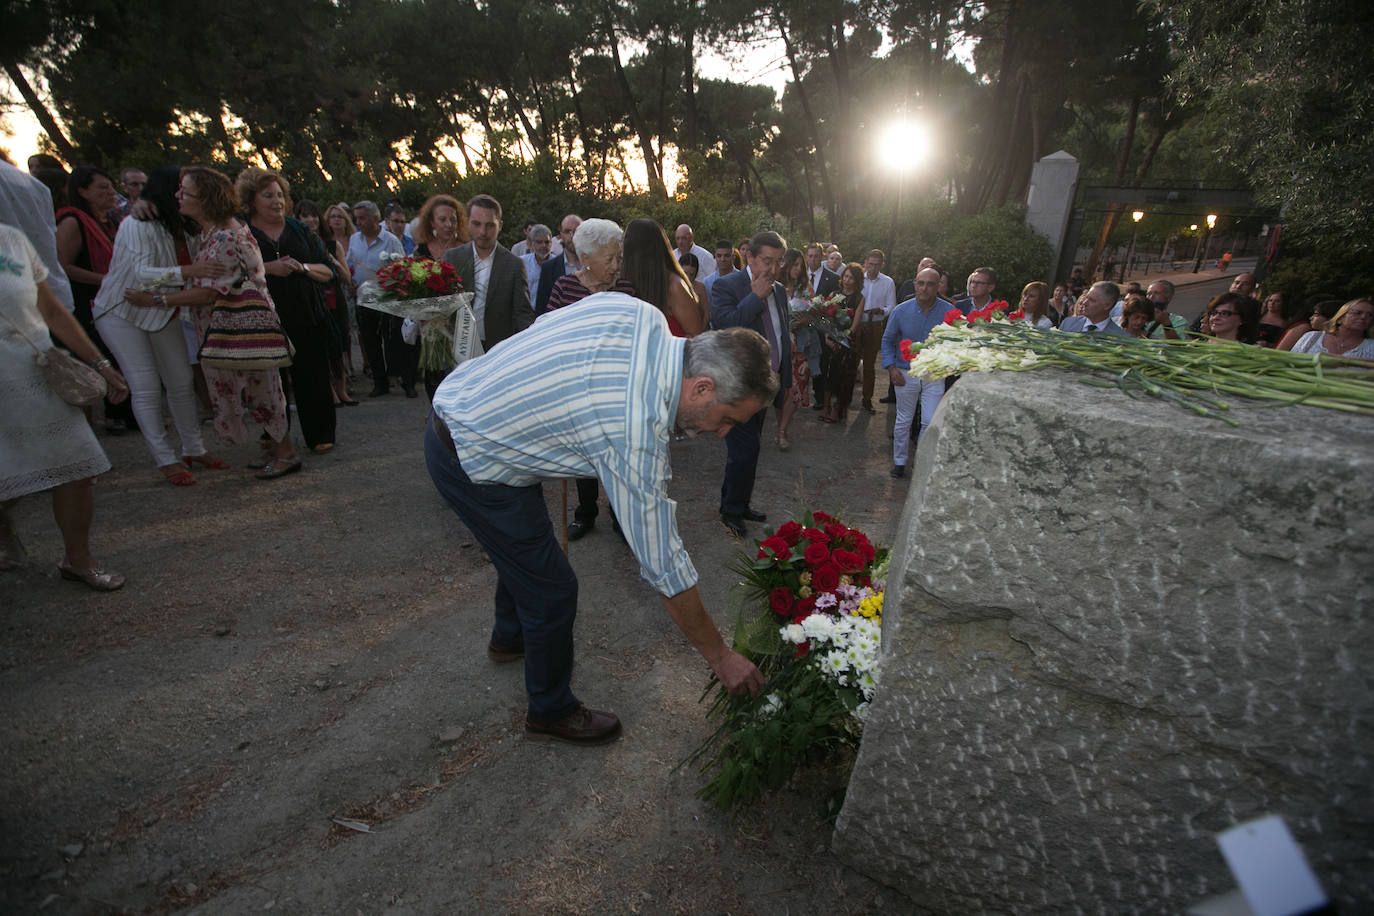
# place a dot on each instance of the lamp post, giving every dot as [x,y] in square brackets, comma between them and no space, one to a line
[1204,241]
[1136,217]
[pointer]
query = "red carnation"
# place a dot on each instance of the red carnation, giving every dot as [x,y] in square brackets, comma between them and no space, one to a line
[848,561]
[998,305]
[817,555]
[816,535]
[776,545]
[953,315]
[435,282]
[790,532]
[780,600]
[1018,315]
[826,579]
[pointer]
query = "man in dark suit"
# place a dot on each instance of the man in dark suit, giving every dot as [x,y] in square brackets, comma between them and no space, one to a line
[752,298]
[1097,314]
[495,277]
[564,262]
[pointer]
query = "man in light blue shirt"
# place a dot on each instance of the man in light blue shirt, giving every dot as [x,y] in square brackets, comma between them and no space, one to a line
[913,320]
[588,391]
[380,337]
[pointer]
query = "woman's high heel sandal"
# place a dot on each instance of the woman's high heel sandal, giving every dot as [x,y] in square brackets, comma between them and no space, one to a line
[205,461]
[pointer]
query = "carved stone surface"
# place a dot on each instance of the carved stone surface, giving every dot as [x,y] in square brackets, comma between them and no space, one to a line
[1113,629]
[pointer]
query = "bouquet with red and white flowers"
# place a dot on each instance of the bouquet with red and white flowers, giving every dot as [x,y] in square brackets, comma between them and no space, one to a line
[427,293]
[828,315]
[418,278]
[811,620]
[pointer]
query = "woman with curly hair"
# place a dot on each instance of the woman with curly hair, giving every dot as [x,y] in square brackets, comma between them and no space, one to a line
[207,196]
[298,267]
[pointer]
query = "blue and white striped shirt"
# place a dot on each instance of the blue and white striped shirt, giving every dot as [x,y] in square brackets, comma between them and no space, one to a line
[587,391]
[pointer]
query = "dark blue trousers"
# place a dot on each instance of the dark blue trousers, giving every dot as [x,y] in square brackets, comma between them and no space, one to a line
[741,463]
[536,590]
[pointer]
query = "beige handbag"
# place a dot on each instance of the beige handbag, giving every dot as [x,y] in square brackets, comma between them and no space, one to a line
[71,379]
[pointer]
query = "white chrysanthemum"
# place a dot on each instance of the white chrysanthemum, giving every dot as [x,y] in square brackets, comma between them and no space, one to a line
[818,626]
[834,664]
[792,633]
[861,711]
[771,705]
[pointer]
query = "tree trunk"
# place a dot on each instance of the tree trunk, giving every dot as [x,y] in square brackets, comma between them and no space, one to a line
[531,134]
[844,132]
[689,78]
[40,111]
[984,172]
[811,126]
[641,127]
[763,188]
[1114,210]
[588,149]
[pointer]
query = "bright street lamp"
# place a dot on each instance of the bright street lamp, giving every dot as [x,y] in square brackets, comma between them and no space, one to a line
[901,149]
[1136,217]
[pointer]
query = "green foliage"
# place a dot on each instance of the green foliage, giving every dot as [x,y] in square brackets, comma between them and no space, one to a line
[1290,82]
[996,238]
[999,239]
[1304,271]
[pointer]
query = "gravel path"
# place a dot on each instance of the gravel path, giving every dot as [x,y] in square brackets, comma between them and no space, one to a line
[291,654]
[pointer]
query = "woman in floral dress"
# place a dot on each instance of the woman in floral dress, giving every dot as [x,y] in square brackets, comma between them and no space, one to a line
[207,197]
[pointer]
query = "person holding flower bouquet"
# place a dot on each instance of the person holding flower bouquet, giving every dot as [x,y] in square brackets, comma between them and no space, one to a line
[440,227]
[806,345]
[839,362]
[912,322]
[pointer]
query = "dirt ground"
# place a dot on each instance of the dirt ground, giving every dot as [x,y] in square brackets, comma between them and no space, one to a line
[294,654]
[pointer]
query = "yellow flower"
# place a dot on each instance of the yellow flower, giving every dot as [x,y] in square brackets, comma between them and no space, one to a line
[804,578]
[871,607]
[805,591]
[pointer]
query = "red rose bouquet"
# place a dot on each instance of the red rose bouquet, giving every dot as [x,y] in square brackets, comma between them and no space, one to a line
[418,278]
[428,293]
[811,620]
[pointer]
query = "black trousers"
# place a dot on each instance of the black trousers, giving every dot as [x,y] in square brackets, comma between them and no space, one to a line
[387,354]
[741,463]
[308,379]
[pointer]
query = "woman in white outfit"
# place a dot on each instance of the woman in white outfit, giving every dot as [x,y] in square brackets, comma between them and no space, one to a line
[46,443]
[148,342]
[1350,334]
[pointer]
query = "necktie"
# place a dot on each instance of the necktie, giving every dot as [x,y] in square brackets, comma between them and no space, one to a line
[774,346]
[1091,327]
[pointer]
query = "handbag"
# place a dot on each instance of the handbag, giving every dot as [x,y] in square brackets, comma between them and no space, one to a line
[70,379]
[245,333]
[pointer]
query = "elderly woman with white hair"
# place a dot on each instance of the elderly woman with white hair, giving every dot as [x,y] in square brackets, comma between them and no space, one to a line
[604,241]
[600,245]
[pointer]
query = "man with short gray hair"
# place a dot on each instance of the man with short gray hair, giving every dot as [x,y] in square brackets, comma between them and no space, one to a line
[604,407]
[369,248]
[540,250]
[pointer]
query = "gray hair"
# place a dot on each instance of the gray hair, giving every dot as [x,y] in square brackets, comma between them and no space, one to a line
[1108,287]
[595,234]
[736,359]
[1169,287]
[369,206]
[540,231]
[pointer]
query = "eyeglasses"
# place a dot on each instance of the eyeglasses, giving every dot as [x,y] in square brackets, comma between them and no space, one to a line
[1224,313]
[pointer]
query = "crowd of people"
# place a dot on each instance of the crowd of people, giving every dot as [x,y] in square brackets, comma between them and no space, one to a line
[130,273]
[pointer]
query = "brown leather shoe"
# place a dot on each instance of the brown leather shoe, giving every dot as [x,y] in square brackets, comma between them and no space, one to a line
[505,653]
[586,726]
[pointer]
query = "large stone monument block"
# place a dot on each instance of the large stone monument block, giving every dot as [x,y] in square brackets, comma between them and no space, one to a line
[1113,629]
